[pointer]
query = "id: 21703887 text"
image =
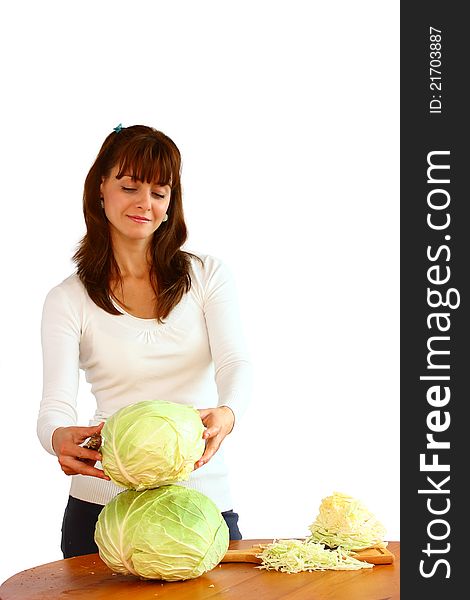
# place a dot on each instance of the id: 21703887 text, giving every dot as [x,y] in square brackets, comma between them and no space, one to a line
[435,70]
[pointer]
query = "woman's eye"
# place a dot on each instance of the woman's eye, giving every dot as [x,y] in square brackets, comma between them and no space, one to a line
[155,194]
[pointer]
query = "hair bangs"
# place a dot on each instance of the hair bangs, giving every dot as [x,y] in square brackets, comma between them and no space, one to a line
[146,160]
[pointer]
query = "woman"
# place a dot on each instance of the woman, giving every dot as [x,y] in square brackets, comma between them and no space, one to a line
[144,320]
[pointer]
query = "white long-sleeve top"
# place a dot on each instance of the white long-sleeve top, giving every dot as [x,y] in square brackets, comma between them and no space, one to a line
[196,357]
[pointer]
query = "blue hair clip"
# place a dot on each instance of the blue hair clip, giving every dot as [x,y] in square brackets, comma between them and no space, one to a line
[118,128]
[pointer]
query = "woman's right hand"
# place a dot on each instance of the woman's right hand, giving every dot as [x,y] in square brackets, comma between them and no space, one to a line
[73,458]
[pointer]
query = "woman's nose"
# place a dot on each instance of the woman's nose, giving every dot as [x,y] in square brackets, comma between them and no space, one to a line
[144,199]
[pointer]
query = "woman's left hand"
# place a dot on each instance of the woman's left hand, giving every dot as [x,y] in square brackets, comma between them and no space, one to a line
[218,423]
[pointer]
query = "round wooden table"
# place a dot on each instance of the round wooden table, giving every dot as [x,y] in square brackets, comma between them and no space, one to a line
[87,577]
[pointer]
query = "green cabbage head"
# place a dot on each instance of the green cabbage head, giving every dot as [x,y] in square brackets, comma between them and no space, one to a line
[151,443]
[170,533]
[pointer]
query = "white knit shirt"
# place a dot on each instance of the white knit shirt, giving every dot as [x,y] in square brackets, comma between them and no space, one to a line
[196,357]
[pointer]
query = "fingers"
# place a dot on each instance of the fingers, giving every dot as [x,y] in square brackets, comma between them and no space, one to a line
[214,437]
[204,413]
[211,432]
[82,433]
[221,417]
[72,466]
[218,424]
[73,458]
[71,448]
[86,454]
[212,445]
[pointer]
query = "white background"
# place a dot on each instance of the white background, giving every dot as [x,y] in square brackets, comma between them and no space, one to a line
[286,114]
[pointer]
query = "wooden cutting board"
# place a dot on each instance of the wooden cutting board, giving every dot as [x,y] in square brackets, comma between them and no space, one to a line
[375,555]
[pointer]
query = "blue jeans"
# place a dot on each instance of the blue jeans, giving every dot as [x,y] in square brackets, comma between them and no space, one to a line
[78,527]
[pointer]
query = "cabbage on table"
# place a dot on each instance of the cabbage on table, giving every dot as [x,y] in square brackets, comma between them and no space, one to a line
[344,521]
[170,533]
[343,524]
[151,443]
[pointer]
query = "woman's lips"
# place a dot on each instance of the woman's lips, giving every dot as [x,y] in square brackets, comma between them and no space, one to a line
[137,219]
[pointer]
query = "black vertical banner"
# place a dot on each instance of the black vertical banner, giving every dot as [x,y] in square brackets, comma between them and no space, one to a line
[435,302]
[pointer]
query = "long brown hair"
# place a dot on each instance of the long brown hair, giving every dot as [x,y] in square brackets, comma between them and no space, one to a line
[151,156]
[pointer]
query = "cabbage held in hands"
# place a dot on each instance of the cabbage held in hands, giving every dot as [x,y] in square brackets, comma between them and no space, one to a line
[170,533]
[151,443]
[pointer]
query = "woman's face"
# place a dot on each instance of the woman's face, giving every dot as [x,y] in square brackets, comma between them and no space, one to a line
[134,209]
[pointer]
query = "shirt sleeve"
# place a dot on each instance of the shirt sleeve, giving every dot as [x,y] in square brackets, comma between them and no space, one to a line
[233,371]
[60,339]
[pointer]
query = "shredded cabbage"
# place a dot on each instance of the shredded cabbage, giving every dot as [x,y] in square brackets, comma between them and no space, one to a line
[344,521]
[294,556]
